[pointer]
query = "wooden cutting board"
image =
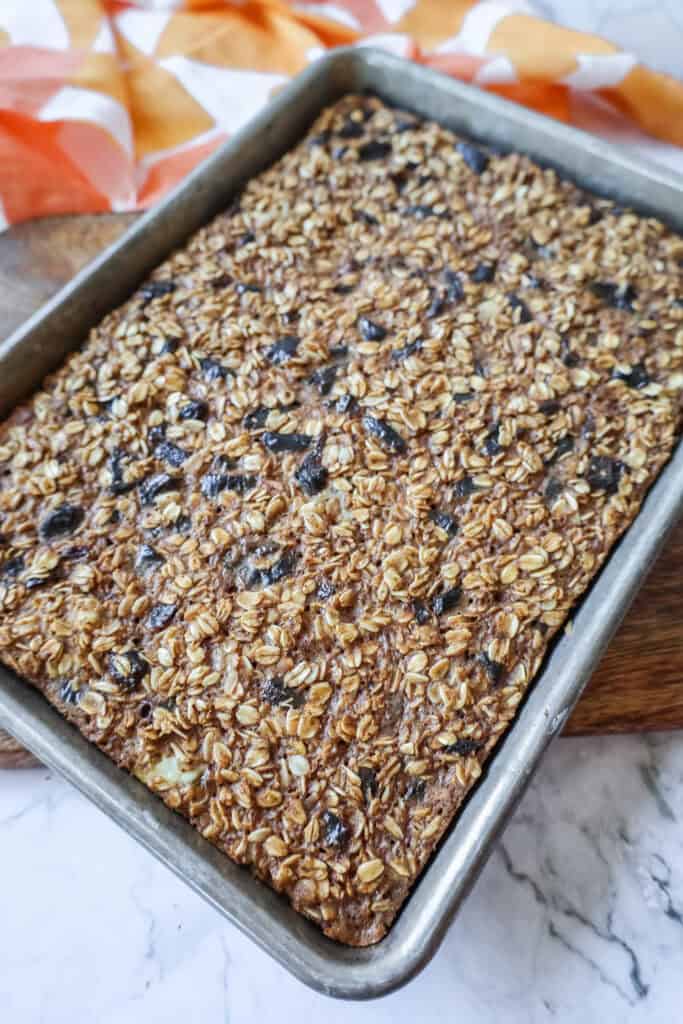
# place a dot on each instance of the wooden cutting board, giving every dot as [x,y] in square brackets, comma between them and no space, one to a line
[638,686]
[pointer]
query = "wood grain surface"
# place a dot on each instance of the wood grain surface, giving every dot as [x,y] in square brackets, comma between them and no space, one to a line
[639,684]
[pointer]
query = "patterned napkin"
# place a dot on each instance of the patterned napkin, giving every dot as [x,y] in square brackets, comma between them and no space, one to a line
[105,104]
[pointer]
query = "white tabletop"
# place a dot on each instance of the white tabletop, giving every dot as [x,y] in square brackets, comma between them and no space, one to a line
[578,916]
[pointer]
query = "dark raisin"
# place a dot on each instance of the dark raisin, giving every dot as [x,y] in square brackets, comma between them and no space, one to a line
[563,447]
[475,158]
[212,369]
[256,418]
[196,410]
[154,289]
[343,289]
[422,612]
[569,358]
[61,521]
[147,558]
[421,211]
[518,304]
[278,571]
[415,790]
[335,832]
[374,150]
[339,351]
[39,581]
[325,590]
[368,782]
[153,486]
[483,272]
[182,524]
[239,483]
[171,453]
[370,330]
[549,407]
[492,445]
[346,404]
[283,350]
[339,151]
[274,691]
[115,517]
[245,239]
[145,709]
[464,487]
[447,601]
[604,474]
[456,290]
[323,379]
[384,433]
[320,140]
[311,475]
[212,484]
[403,124]
[444,521]
[463,747]
[366,217]
[351,130]
[494,669]
[618,295]
[276,442]
[532,281]
[155,435]
[68,693]
[169,346]
[479,368]
[118,484]
[242,287]
[553,489]
[75,553]
[436,306]
[637,377]
[399,354]
[222,281]
[160,615]
[13,567]
[128,669]
[462,396]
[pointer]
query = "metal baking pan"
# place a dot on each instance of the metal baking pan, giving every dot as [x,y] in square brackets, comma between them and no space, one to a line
[62,325]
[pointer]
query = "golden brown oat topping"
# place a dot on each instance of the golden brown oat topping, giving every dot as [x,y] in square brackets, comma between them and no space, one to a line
[289,537]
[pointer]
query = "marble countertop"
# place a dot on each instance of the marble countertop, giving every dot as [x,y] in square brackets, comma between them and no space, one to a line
[578,916]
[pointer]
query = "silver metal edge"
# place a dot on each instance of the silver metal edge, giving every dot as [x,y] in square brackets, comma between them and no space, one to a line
[327,966]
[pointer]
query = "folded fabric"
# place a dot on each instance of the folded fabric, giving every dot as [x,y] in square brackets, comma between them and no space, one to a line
[105,104]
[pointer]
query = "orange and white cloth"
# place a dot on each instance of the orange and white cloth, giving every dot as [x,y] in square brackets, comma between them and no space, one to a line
[105,104]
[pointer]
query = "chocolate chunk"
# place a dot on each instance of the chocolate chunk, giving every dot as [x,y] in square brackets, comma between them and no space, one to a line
[463,396]
[278,571]
[169,346]
[604,474]
[437,305]
[160,615]
[256,418]
[415,790]
[155,435]
[128,669]
[483,272]
[339,351]
[242,287]
[464,487]
[637,377]
[464,747]
[518,304]
[323,379]
[618,295]
[12,567]
[475,158]
[154,289]
[374,150]
[182,524]
[563,447]
[456,290]
[68,693]
[569,358]
[222,281]
[246,239]
[399,354]
[283,350]
[274,691]
[346,404]
[212,484]
[212,369]
[335,832]
[276,442]
[384,433]
[311,475]
[171,453]
[447,601]
[549,407]
[366,217]
[160,483]
[75,553]
[320,140]
[61,521]
[444,521]
[368,782]
[492,445]
[553,489]
[39,581]
[196,410]
[240,483]
[147,558]
[370,330]
[421,211]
